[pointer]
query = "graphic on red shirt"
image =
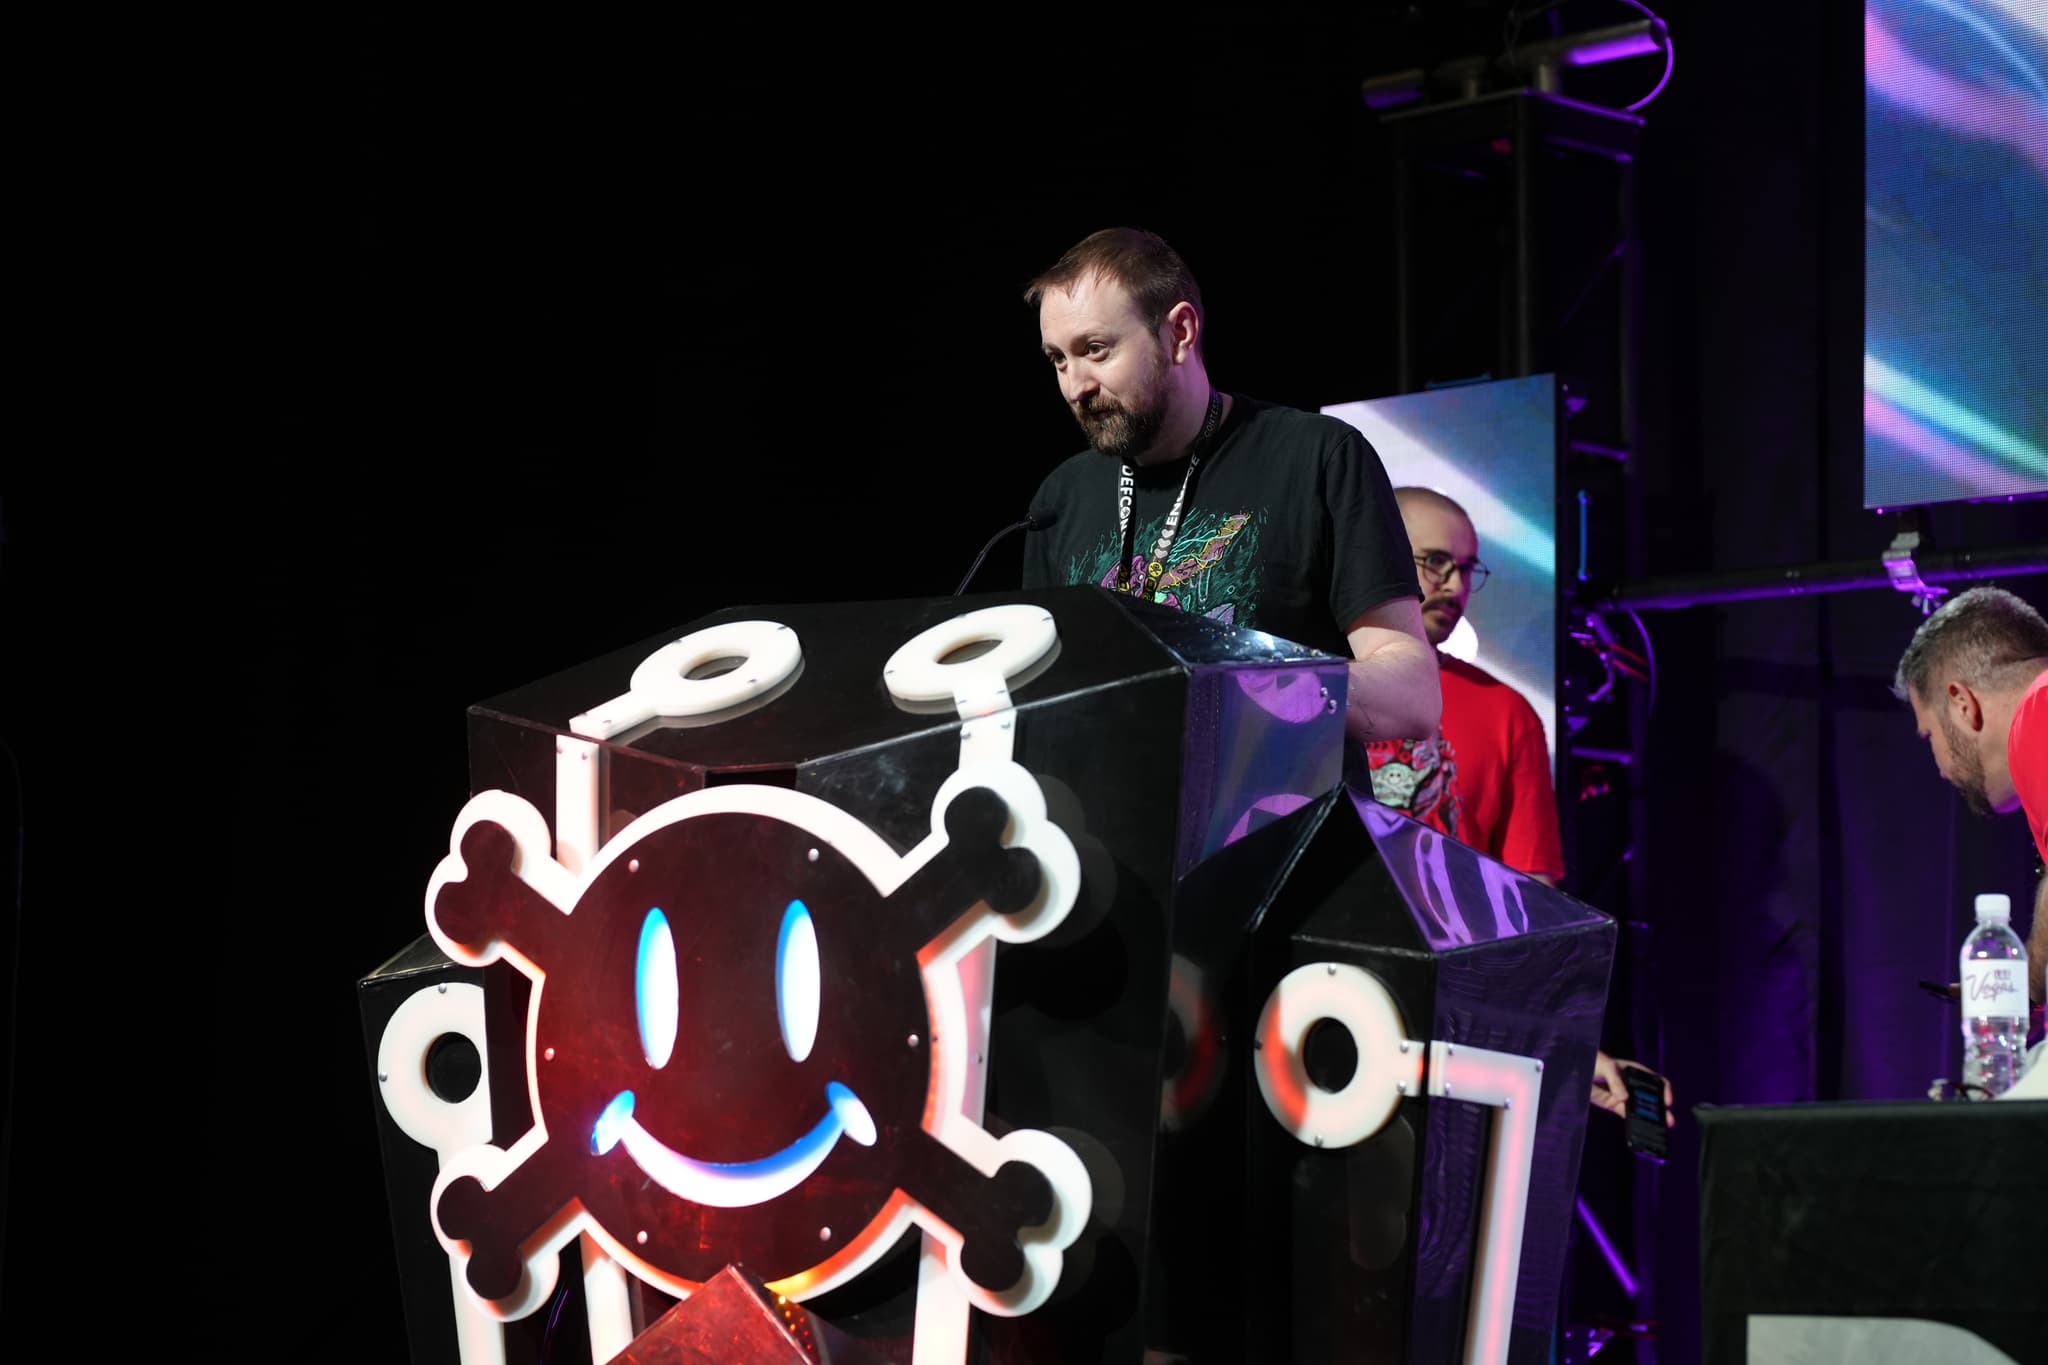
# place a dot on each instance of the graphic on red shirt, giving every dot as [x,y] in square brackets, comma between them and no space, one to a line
[1497,797]
[1417,777]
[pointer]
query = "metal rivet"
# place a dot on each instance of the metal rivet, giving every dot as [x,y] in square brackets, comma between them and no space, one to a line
[548,1056]
[1331,969]
[1257,1044]
[442,988]
[1507,1104]
[814,855]
[381,1077]
[1450,1051]
[641,1237]
[1404,1047]
[1447,1089]
[824,1234]
[1332,706]
[1539,1066]
[632,864]
[912,1040]
[1319,1142]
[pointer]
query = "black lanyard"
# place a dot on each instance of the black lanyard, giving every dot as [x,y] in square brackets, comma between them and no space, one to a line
[1148,586]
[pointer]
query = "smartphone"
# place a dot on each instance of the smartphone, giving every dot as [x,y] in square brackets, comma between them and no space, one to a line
[1648,1136]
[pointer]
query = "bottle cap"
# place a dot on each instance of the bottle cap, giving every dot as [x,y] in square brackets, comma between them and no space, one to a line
[1994,906]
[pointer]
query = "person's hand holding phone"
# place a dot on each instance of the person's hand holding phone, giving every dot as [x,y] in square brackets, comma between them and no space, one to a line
[1610,1091]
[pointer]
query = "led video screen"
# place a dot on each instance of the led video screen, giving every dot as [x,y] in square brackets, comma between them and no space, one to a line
[1491,448]
[1955,328]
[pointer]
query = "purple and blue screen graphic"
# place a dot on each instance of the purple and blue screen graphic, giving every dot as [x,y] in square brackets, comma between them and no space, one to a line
[1491,448]
[1955,326]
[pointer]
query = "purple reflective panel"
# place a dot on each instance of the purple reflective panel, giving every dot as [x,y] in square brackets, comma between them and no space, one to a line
[1286,803]
[1260,743]
[1296,695]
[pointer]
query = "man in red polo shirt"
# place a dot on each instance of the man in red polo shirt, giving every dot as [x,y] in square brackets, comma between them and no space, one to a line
[1484,777]
[1976,676]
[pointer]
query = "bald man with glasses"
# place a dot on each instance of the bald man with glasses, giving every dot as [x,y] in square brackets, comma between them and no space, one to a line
[1484,777]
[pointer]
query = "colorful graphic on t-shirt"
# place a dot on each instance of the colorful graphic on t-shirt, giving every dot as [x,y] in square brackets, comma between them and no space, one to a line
[1417,777]
[1214,569]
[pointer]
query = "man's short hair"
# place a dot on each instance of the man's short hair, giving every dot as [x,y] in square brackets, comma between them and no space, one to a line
[1149,270]
[1983,638]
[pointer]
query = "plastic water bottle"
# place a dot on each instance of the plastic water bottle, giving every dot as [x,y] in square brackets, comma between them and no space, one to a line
[1994,977]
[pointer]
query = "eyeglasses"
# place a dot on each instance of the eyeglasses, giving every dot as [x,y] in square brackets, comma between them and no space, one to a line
[1437,566]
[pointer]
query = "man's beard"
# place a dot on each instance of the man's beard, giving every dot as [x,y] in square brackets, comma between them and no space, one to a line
[1126,432]
[1444,606]
[1119,432]
[1966,769]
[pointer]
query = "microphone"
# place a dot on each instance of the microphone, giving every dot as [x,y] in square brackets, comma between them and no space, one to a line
[1037,519]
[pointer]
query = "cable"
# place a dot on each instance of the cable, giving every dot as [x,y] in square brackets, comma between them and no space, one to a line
[1649,652]
[1670,59]
[1598,638]
[547,1337]
[1511,30]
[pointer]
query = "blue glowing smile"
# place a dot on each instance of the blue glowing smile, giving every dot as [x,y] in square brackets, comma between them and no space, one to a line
[657,992]
[736,1184]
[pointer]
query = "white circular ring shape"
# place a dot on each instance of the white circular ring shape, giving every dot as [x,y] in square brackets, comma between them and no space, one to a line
[769,650]
[1023,635]
[427,1015]
[1355,998]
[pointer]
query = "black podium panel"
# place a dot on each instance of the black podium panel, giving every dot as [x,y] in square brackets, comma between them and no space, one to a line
[1273,1246]
[1817,1218]
[1367,1251]
[1241,716]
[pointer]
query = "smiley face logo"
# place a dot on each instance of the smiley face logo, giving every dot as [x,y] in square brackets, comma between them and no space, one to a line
[737,1042]
[725,1184]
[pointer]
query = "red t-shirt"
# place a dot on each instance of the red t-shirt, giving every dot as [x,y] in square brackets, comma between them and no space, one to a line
[1485,780]
[2026,755]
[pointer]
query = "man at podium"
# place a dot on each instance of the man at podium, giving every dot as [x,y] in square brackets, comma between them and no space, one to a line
[1254,514]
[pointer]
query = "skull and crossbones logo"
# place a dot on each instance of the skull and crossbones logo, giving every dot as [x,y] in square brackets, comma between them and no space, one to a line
[743,1047]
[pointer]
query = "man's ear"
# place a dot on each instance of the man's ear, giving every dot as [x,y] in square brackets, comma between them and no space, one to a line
[1183,331]
[1965,706]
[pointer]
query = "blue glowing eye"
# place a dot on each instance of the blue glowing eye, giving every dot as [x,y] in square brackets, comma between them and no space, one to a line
[655,989]
[796,981]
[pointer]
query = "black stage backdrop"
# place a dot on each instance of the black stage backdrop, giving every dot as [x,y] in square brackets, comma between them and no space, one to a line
[553,336]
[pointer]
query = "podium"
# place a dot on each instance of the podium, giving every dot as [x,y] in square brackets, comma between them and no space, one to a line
[1874,1231]
[1049,911]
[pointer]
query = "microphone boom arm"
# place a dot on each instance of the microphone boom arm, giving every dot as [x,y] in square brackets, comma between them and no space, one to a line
[1035,520]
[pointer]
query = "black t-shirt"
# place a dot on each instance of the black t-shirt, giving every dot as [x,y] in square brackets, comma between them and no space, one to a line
[1290,527]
